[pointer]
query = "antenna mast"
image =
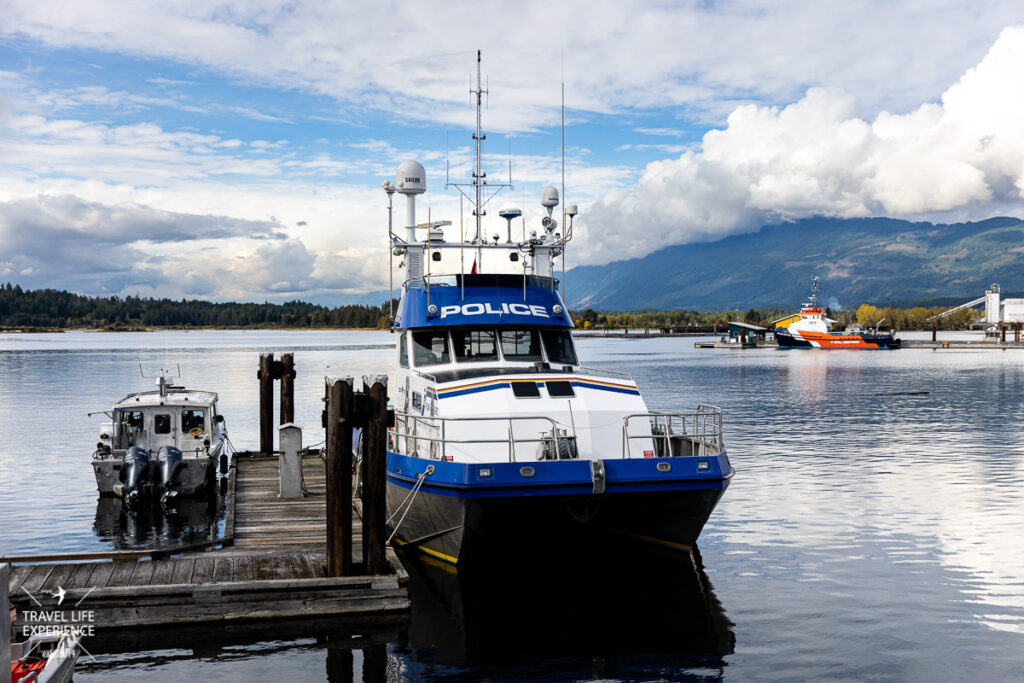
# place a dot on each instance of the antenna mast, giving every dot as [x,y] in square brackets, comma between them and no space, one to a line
[479,176]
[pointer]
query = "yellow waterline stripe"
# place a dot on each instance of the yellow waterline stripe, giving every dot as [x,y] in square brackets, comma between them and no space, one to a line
[661,541]
[428,551]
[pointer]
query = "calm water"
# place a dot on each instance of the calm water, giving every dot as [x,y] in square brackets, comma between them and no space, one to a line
[866,534]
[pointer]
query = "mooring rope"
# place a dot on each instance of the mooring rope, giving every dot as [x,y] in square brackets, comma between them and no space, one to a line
[410,498]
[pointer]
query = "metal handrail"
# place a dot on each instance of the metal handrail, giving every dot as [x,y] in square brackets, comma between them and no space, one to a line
[699,434]
[443,440]
[702,428]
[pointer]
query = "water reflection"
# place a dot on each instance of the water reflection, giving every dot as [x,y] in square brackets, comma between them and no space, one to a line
[151,525]
[612,616]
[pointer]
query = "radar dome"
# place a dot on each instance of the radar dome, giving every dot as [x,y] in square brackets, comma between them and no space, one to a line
[549,197]
[411,178]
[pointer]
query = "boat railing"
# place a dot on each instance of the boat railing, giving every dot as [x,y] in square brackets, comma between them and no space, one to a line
[677,434]
[698,434]
[439,441]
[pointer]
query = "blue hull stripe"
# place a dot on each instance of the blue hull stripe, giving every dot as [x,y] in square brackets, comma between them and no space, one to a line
[448,393]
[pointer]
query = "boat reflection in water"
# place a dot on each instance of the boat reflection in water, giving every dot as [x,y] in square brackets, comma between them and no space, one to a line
[622,614]
[149,524]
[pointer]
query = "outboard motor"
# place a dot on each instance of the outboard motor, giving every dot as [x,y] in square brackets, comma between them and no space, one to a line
[136,464]
[169,461]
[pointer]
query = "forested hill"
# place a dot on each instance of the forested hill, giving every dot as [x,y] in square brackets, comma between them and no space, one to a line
[52,308]
[879,261]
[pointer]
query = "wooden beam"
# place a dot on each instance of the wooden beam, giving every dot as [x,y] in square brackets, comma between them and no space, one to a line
[374,469]
[339,477]
[265,376]
[287,388]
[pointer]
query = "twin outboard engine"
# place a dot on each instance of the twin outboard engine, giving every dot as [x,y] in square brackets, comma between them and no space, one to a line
[136,469]
[170,463]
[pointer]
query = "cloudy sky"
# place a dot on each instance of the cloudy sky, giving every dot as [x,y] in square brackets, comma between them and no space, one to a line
[235,150]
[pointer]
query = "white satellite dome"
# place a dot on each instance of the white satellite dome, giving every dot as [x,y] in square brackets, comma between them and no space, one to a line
[411,177]
[549,197]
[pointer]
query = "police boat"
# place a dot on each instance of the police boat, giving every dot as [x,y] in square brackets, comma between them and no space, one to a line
[503,441]
[160,444]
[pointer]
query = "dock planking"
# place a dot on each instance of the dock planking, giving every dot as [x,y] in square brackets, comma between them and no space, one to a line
[272,565]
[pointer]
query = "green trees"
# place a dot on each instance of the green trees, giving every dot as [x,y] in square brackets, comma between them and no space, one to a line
[59,309]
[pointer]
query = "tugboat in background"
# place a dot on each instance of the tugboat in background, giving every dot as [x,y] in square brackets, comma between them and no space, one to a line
[813,330]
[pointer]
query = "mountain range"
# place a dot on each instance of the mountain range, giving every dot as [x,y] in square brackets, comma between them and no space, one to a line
[881,261]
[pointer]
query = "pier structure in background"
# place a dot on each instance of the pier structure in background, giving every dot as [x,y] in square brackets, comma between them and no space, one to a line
[269,371]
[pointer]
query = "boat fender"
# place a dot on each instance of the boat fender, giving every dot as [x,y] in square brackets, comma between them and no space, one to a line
[223,463]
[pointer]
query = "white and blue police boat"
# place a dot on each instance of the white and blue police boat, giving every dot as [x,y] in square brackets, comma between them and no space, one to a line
[503,441]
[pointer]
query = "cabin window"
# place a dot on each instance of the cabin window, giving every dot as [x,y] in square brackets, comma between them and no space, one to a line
[430,348]
[132,419]
[560,389]
[192,419]
[474,345]
[525,390]
[162,424]
[558,344]
[403,350]
[520,345]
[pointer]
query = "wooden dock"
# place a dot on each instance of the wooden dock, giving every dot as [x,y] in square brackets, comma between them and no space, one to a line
[270,564]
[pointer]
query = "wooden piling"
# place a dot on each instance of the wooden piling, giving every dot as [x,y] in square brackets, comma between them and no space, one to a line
[935,331]
[266,377]
[1016,332]
[374,470]
[339,665]
[1002,330]
[339,477]
[5,628]
[287,388]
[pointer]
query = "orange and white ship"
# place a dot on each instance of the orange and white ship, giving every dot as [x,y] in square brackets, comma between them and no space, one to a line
[813,330]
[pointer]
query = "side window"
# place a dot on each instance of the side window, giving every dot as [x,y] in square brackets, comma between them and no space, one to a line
[162,424]
[403,349]
[558,344]
[474,345]
[132,419]
[520,345]
[430,348]
[192,419]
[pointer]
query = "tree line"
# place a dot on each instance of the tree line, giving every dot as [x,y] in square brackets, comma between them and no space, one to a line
[888,317]
[51,308]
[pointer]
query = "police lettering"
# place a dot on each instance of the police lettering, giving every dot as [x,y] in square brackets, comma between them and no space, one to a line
[479,309]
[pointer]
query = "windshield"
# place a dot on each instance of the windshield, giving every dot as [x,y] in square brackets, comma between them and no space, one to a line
[558,345]
[474,345]
[520,345]
[430,347]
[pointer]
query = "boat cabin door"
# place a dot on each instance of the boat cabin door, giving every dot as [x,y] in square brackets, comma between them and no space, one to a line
[163,428]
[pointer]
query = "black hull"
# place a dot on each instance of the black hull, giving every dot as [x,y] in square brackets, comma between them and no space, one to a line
[462,530]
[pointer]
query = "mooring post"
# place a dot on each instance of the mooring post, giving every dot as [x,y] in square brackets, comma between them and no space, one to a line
[374,468]
[340,664]
[5,628]
[1016,332]
[266,377]
[339,476]
[935,331]
[290,462]
[287,388]
[1002,329]
[375,663]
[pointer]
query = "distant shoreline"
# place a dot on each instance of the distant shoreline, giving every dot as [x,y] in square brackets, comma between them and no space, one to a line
[213,328]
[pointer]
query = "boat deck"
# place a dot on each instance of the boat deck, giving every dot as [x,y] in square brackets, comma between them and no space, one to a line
[272,564]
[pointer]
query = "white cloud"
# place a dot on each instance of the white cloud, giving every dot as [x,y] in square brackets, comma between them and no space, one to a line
[818,156]
[617,56]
